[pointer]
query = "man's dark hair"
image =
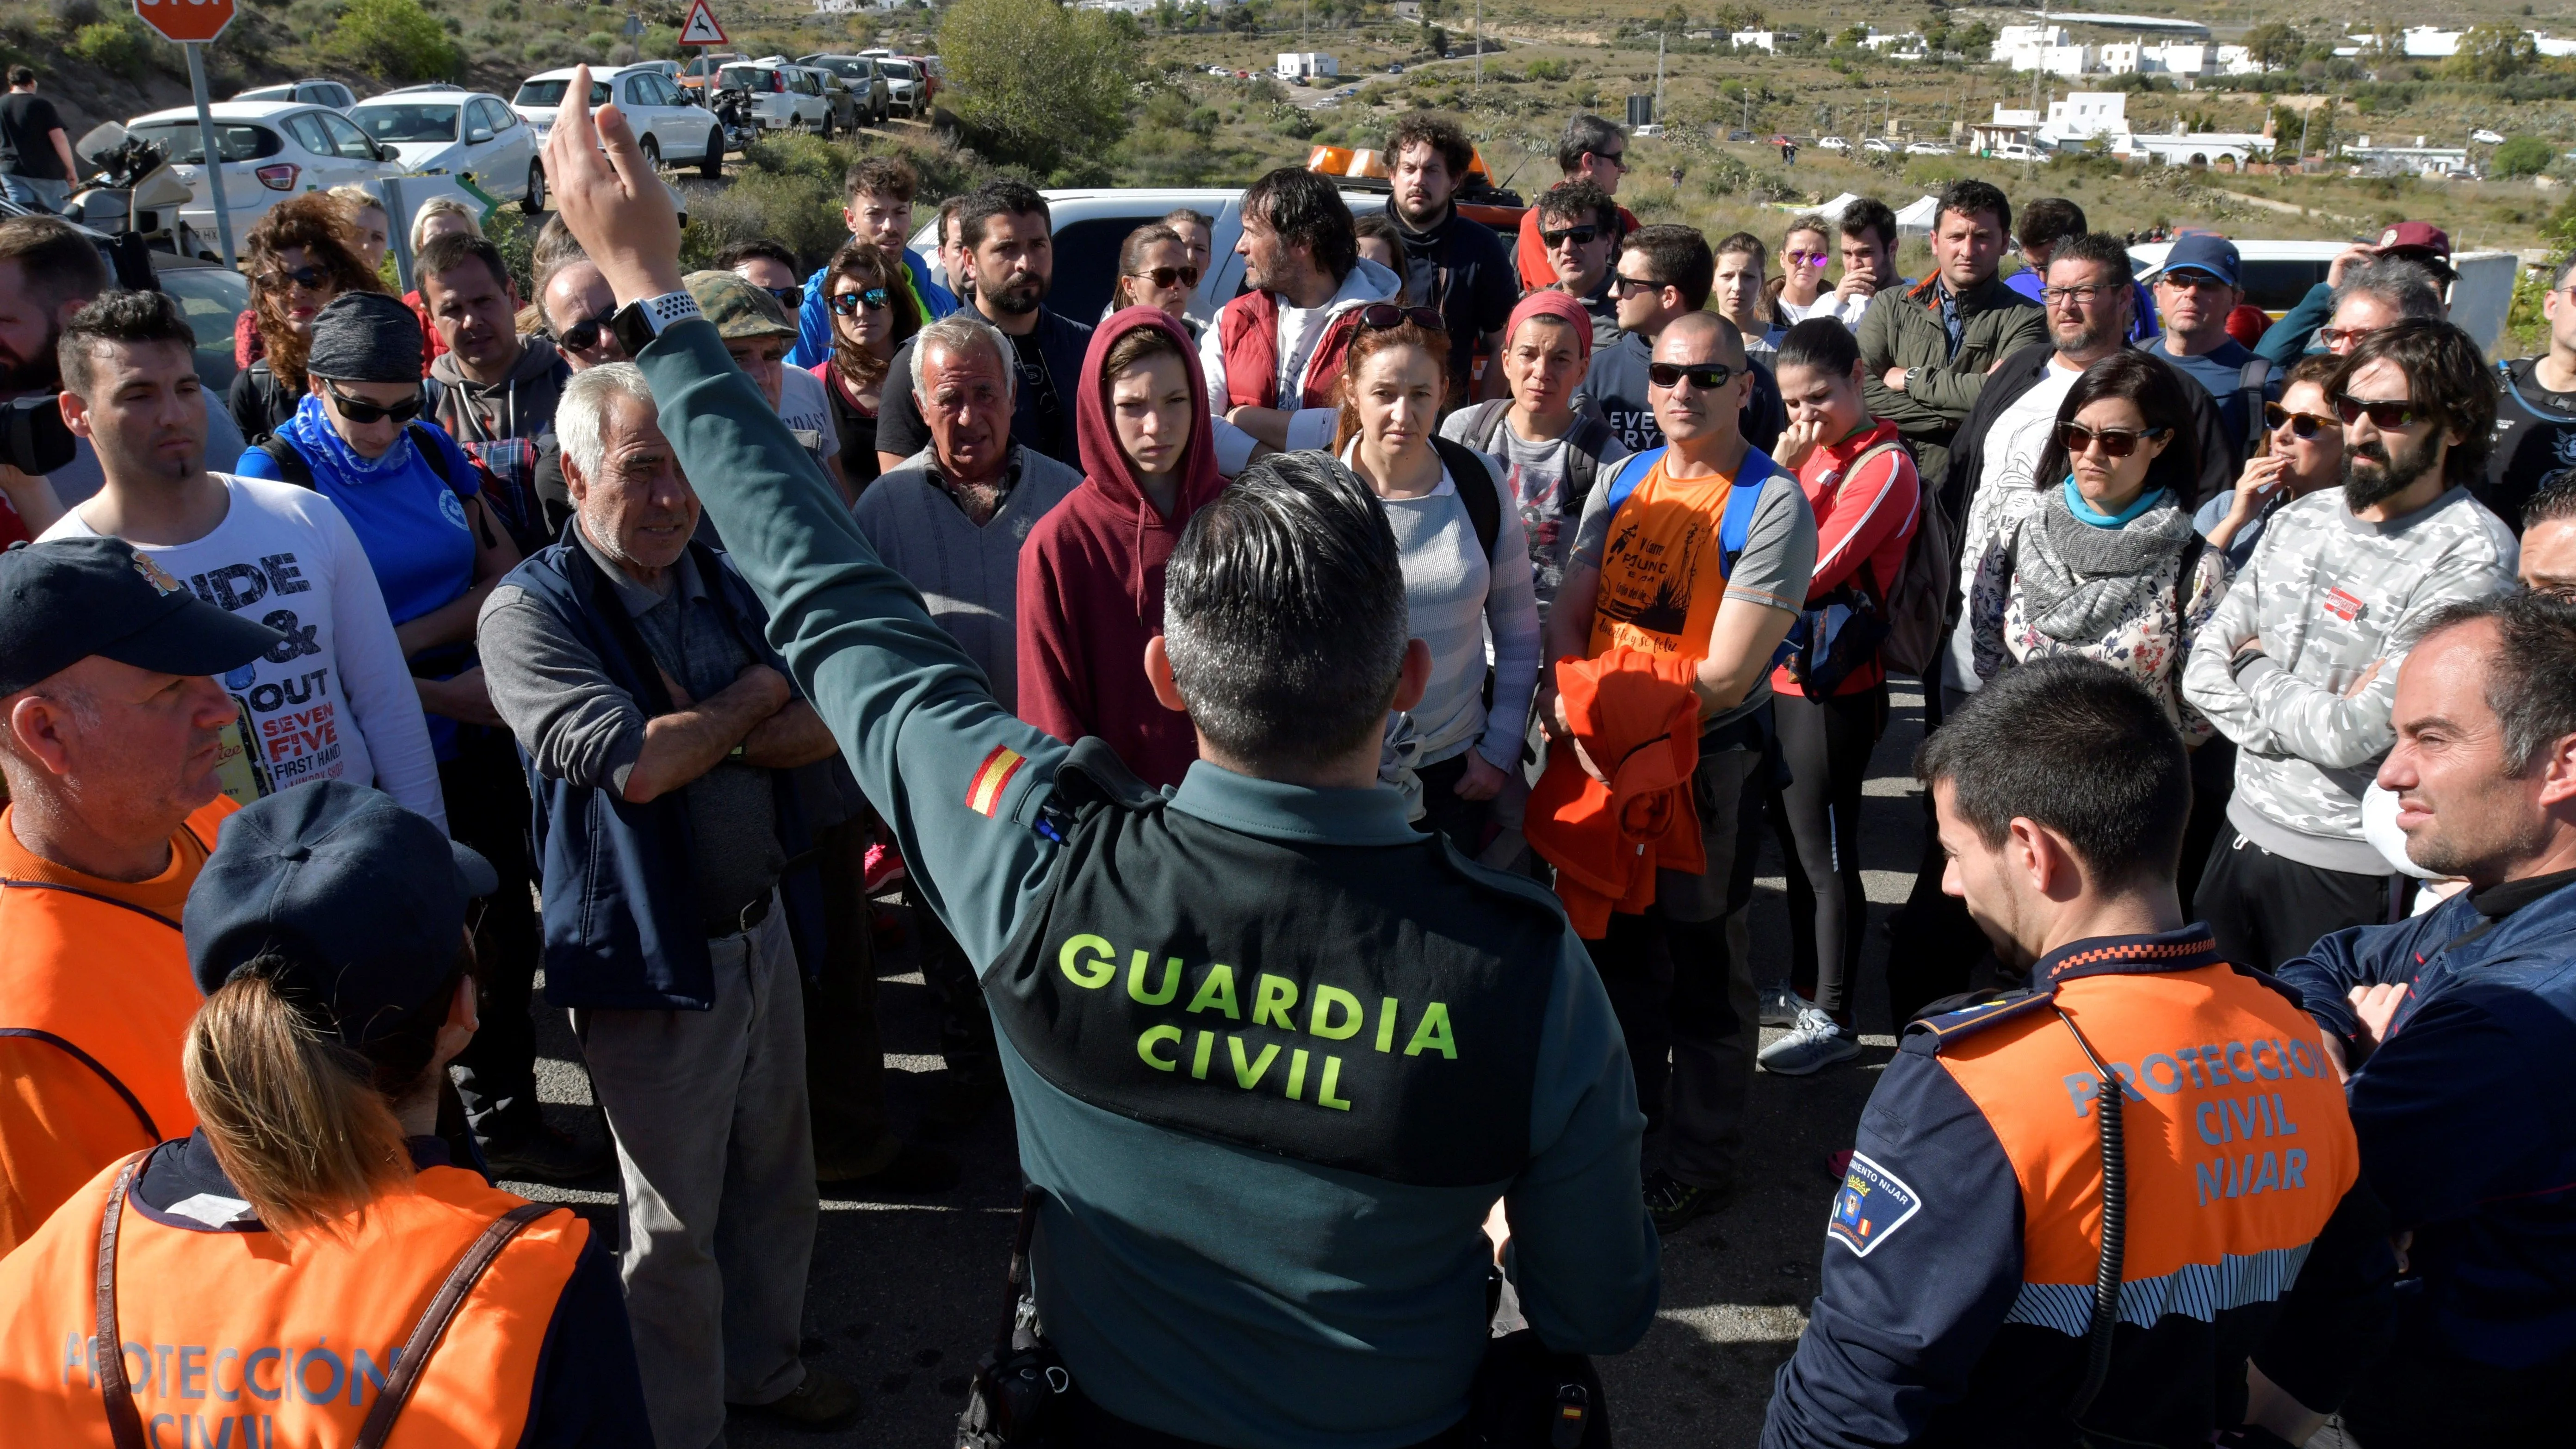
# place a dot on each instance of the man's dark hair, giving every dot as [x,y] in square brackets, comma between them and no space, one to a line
[1441,134]
[1818,345]
[1974,198]
[741,252]
[118,317]
[58,263]
[1870,215]
[2446,377]
[881,176]
[1578,201]
[1003,197]
[2531,675]
[2048,221]
[2097,249]
[1678,257]
[2075,745]
[20,75]
[1305,207]
[447,253]
[1586,132]
[2554,501]
[1284,614]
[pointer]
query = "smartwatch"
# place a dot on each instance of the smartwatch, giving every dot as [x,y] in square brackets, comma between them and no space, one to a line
[637,323]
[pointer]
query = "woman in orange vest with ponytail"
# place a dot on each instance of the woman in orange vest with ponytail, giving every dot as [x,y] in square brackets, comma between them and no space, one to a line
[308,1267]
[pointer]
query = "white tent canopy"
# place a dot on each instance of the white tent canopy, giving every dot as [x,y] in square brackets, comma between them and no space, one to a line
[1916,220]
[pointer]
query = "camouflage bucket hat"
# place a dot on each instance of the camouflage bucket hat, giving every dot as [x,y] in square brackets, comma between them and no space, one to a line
[738,308]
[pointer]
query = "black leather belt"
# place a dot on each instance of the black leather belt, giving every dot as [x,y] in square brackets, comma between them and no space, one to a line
[752,915]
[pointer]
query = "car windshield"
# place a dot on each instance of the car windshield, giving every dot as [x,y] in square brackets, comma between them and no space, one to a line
[234,141]
[551,93]
[213,299]
[743,78]
[852,69]
[896,69]
[408,122]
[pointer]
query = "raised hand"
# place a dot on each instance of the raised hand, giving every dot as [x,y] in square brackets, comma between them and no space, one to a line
[610,197]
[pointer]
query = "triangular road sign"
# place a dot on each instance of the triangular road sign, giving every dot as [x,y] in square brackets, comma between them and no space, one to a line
[701,28]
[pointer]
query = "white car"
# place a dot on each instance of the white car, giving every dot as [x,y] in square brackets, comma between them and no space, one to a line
[2016,151]
[441,130]
[1877,146]
[784,97]
[905,90]
[1832,143]
[267,151]
[671,127]
[311,92]
[1927,148]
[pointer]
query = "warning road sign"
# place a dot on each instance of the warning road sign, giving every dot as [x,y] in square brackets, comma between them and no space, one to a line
[701,28]
[186,20]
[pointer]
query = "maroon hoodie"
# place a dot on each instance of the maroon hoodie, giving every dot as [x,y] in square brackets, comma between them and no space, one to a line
[1091,579]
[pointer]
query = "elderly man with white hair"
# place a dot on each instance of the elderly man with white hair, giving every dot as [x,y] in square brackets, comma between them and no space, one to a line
[630,663]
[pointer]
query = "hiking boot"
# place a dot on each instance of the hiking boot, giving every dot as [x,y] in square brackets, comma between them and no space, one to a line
[915,1169]
[1781,1006]
[545,1154]
[1816,1042]
[1675,1204]
[822,1401]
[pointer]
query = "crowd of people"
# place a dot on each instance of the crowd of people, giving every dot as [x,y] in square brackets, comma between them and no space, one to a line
[1327,743]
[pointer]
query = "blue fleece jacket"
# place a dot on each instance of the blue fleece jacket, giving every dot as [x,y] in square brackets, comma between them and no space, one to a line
[814,318]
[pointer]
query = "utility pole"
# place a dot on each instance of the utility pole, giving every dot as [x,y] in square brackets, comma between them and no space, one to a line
[2039,68]
[1659,77]
[2306,119]
[1480,42]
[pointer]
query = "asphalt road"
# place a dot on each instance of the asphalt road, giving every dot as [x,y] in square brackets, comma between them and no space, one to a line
[904,1294]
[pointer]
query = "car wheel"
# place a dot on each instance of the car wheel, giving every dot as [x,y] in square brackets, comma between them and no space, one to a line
[534,203]
[652,153]
[711,166]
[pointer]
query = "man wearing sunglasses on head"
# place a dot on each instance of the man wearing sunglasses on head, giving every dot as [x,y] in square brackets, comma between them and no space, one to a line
[2299,664]
[2536,417]
[1699,549]
[1593,149]
[1275,353]
[1578,225]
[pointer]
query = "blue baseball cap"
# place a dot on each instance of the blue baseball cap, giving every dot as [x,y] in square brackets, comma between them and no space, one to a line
[65,600]
[2202,252]
[356,904]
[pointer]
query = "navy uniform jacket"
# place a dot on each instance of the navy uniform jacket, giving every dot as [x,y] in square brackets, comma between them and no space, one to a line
[2464,1132]
[1195,1285]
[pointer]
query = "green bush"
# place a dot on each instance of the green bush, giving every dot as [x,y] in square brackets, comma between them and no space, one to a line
[799,211]
[2522,156]
[118,46]
[1550,70]
[393,39]
[1039,81]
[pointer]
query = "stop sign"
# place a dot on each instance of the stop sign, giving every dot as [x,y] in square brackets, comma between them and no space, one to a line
[186,19]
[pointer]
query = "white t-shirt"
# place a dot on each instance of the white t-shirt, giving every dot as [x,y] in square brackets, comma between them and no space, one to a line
[802,406]
[2006,493]
[334,701]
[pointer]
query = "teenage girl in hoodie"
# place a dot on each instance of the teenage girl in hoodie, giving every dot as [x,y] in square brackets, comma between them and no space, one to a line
[1091,573]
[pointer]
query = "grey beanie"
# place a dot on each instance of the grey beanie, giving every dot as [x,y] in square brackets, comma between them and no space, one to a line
[365,337]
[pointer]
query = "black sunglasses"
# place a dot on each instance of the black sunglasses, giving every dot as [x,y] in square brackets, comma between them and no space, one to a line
[362,412]
[1579,235]
[1615,158]
[310,278]
[1626,286]
[2116,442]
[2301,425]
[584,335]
[1379,316]
[2385,415]
[791,296]
[1168,276]
[1706,376]
[849,303]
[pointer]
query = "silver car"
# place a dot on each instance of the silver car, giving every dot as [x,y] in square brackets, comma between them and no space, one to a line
[857,75]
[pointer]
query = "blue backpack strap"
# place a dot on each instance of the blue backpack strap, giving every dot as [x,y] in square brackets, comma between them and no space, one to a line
[1740,503]
[1631,472]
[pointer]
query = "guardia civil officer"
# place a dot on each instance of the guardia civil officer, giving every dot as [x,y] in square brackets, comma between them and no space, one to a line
[2019,1255]
[306,1267]
[1274,1053]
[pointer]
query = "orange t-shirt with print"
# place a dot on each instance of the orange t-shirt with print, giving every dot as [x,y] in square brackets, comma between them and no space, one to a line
[1661,579]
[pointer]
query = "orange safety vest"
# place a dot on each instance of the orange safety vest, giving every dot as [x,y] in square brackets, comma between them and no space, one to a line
[107,985]
[248,1340]
[2238,1143]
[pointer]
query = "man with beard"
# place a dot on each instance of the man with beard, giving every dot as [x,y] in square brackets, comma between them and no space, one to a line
[1005,231]
[1452,264]
[1275,353]
[2299,664]
[48,271]
[2443,1021]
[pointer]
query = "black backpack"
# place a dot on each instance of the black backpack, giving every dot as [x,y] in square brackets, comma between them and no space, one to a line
[1484,505]
[1590,434]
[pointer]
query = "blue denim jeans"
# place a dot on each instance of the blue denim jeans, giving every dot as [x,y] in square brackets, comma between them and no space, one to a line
[35,191]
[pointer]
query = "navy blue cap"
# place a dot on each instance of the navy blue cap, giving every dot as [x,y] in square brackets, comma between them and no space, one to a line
[360,902]
[2201,251]
[63,601]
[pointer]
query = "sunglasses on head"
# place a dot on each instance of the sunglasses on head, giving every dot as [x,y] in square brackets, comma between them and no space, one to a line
[790,297]
[1706,376]
[1379,316]
[310,278]
[1168,276]
[2385,414]
[2116,442]
[362,412]
[584,335]
[849,303]
[1579,235]
[2301,425]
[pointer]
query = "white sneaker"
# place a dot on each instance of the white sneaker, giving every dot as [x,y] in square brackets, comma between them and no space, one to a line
[1782,1006]
[1817,1041]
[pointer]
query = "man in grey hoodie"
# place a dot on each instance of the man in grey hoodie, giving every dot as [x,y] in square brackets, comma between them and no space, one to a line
[495,391]
[2299,664]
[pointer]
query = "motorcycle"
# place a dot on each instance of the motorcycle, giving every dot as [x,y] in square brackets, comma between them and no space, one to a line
[732,110]
[133,191]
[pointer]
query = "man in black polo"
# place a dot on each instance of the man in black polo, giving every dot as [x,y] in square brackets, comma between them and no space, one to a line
[1452,263]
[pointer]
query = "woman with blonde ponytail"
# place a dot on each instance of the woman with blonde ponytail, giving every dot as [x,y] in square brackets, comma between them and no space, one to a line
[308,1267]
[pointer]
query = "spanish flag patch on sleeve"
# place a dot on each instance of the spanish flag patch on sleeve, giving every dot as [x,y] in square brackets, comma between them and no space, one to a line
[984,791]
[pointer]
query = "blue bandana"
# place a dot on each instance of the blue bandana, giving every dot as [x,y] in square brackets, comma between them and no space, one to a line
[2086,513]
[311,433]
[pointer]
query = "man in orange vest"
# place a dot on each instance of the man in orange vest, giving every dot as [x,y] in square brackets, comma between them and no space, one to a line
[111,734]
[2120,1205]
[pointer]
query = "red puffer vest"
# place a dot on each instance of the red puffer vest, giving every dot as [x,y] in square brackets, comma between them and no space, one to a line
[1247,331]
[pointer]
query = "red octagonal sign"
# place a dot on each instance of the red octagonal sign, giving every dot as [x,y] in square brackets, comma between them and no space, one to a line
[186,19]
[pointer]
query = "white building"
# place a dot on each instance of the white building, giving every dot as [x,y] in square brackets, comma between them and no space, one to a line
[1753,39]
[2067,60]
[2397,159]
[2194,148]
[2083,115]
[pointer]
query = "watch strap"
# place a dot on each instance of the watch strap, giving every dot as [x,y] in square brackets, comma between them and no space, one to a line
[637,323]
